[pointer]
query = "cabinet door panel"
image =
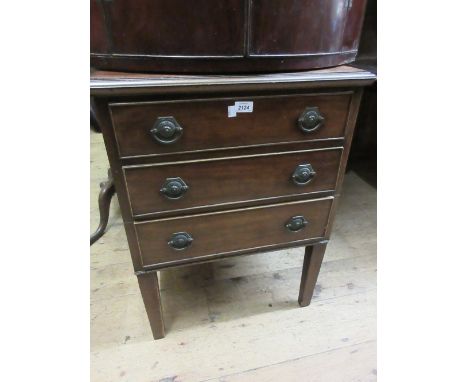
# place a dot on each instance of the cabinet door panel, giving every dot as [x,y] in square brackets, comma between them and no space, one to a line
[297,26]
[174,27]
[353,26]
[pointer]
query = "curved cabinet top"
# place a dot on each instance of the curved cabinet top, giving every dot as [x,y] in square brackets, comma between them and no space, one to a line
[224,35]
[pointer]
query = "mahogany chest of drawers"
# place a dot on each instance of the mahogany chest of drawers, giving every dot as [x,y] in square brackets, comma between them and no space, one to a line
[207,167]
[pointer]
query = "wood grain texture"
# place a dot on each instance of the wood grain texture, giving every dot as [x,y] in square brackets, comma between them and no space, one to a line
[235,65]
[351,364]
[222,311]
[102,113]
[103,117]
[100,41]
[206,124]
[230,231]
[224,35]
[149,288]
[105,197]
[310,270]
[115,83]
[350,125]
[354,23]
[233,152]
[169,27]
[297,26]
[231,180]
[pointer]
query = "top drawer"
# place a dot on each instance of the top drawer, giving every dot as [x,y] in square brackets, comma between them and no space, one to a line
[169,127]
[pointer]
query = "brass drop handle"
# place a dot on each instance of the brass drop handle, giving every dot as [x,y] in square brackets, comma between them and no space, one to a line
[296,223]
[303,174]
[180,241]
[310,120]
[166,130]
[174,188]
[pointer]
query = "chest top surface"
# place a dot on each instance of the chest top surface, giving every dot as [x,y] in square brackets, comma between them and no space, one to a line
[106,83]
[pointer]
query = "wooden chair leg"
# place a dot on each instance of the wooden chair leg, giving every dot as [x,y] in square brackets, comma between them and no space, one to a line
[312,261]
[105,196]
[149,288]
[93,120]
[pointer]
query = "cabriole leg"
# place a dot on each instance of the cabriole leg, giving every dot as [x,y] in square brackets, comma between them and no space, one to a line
[105,196]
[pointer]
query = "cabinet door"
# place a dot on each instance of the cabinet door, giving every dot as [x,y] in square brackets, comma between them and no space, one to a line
[297,27]
[170,27]
[354,21]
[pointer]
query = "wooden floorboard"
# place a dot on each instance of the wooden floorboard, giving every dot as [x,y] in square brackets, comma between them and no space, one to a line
[237,319]
[347,364]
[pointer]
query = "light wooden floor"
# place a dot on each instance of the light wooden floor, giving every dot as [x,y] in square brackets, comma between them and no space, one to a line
[238,319]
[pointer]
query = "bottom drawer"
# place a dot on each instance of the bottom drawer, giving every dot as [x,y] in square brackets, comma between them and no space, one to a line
[177,239]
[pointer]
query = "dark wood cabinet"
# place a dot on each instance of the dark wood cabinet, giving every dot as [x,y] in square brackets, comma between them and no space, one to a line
[224,35]
[297,27]
[169,27]
[197,182]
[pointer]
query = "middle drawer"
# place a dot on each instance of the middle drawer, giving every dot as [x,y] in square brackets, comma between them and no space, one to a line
[163,187]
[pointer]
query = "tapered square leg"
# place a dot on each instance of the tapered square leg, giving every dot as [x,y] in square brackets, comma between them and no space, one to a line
[312,261]
[149,288]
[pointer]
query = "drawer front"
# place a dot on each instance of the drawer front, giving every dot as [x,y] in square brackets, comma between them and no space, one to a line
[145,128]
[211,182]
[230,231]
